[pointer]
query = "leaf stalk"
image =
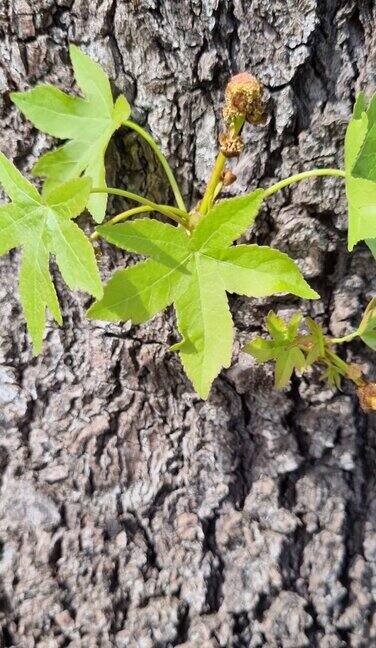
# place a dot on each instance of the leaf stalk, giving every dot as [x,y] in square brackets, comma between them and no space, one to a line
[215,178]
[162,159]
[305,175]
[123,216]
[176,214]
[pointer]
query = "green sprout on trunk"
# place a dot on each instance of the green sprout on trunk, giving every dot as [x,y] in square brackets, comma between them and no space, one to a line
[193,260]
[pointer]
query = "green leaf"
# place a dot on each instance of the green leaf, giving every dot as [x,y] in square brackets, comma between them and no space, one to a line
[226,222]
[285,365]
[259,271]
[122,110]
[283,348]
[18,188]
[317,341]
[74,254]
[277,327]
[194,272]
[137,293]
[355,134]
[12,222]
[262,350]
[69,199]
[164,243]
[365,164]
[293,326]
[92,80]
[360,105]
[360,167]
[43,226]
[361,195]
[87,123]
[205,323]
[372,246]
[37,291]
[367,327]
[54,112]
[333,375]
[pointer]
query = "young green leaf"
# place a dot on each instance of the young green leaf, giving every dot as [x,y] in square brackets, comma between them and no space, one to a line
[285,365]
[360,166]
[44,226]
[317,342]
[277,327]
[333,375]
[87,123]
[292,351]
[367,327]
[365,164]
[194,274]
[283,348]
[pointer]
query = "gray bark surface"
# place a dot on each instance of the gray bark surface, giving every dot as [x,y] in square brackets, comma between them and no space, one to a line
[133,514]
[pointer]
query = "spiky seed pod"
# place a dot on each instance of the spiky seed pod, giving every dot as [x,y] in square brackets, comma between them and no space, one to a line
[231,145]
[243,97]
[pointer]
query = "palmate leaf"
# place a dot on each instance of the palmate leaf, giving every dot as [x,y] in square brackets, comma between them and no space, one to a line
[360,167]
[87,124]
[44,226]
[194,272]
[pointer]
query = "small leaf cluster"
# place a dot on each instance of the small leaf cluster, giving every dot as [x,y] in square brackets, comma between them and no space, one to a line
[292,350]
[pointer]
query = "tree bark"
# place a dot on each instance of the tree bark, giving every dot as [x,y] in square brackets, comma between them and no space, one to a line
[133,514]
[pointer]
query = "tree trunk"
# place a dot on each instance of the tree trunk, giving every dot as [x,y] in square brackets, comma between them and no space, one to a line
[133,514]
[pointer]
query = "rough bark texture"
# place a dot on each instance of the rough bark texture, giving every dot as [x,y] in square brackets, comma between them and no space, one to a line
[132,513]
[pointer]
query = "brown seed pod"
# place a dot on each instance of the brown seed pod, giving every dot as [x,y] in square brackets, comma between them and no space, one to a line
[367,397]
[231,145]
[243,97]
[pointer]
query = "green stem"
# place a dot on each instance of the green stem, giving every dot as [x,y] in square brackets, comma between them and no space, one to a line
[344,368]
[337,361]
[215,177]
[345,338]
[302,176]
[167,169]
[123,216]
[214,180]
[177,215]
